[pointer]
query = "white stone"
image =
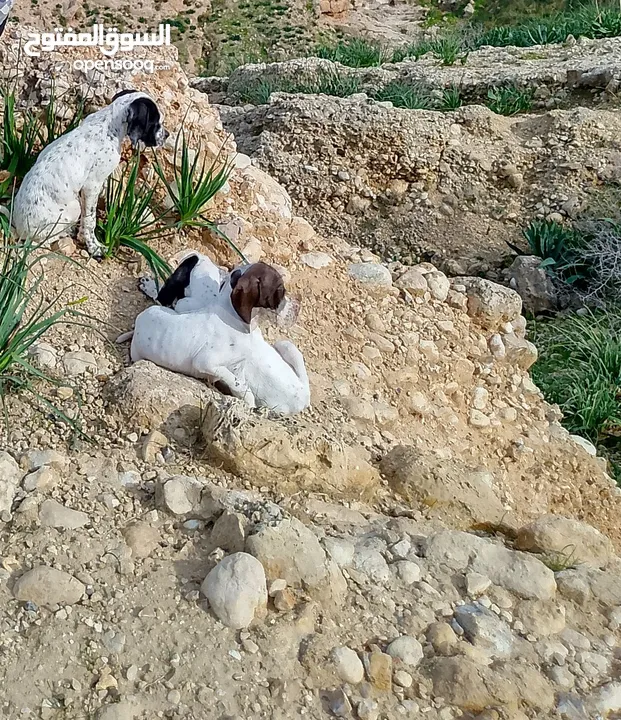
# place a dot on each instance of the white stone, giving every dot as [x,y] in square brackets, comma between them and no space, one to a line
[407,649]
[236,589]
[10,478]
[348,665]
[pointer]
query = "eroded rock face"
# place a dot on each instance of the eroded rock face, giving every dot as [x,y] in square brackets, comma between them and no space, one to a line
[282,453]
[450,484]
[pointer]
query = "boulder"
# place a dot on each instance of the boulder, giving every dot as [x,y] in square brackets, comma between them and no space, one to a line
[288,454]
[576,540]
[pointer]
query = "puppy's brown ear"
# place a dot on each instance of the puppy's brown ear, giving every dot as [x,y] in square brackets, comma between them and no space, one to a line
[245,296]
[272,287]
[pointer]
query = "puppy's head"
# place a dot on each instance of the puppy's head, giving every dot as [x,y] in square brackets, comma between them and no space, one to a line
[259,286]
[144,120]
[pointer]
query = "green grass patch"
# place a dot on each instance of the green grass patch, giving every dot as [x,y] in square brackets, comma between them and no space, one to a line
[355,52]
[579,367]
[405,96]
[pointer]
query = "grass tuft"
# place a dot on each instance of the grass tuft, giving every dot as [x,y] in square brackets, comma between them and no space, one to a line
[509,100]
[355,52]
[400,95]
[26,315]
[579,367]
[194,183]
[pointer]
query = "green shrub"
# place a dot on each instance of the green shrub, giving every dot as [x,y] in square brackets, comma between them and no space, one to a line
[509,100]
[560,248]
[412,97]
[194,184]
[26,315]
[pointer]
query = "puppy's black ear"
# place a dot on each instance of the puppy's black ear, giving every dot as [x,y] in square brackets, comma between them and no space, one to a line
[123,92]
[144,123]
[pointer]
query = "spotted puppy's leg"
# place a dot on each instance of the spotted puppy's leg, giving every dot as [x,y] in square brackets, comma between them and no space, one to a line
[88,203]
[236,387]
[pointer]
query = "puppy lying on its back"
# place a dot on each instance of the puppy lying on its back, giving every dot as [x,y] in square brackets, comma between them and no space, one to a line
[208,334]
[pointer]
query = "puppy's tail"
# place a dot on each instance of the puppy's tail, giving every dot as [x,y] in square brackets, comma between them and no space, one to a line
[125,337]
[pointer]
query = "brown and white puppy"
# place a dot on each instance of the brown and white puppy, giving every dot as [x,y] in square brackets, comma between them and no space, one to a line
[210,334]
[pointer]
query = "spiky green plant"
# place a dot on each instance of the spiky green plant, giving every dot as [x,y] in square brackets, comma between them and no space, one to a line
[26,315]
[354,52]
[194,184]
[559,248]
[412,97]
[451,99]
[128,220]
[20,141]
[509,100]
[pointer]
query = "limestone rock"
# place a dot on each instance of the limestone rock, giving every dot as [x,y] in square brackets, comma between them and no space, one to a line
[441,483]
[371,274]
[407,649]
[517,572]
[485,630]
[10,478]
[291,551]
[580,542]
[236,589]
[490,304]
[146,395]
[44,585]
[533,284]
[348,665]
[142,538]
[53,514]
[284,454]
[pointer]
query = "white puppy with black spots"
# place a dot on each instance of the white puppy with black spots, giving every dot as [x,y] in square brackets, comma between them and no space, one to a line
[65,183]
[204,328]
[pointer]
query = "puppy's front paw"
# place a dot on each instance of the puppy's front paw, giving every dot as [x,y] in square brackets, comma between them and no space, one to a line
[148,287]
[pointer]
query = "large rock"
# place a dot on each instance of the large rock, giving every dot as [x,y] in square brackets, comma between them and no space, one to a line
[53,514]
[10,477]
[289,550]
[533,284]
[485,630]
[577,541]
[236,589]
[146,395]
[442,484]
[489,303]
[471,686]
[518,572]
[44,585]
[288,454]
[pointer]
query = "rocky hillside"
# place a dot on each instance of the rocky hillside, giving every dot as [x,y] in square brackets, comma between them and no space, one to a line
[426,541]
[450,187]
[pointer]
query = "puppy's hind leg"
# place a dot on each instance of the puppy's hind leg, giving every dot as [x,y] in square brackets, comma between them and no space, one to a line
[293,357]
